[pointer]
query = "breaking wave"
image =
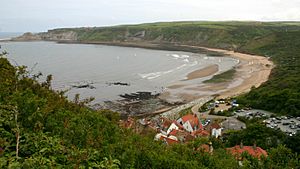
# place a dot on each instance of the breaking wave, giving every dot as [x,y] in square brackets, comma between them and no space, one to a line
[154,75]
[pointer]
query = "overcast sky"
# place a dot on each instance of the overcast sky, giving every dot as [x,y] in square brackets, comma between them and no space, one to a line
[41,15]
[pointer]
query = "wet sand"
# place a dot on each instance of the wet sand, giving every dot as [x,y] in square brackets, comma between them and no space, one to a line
[175,86]
[207,71]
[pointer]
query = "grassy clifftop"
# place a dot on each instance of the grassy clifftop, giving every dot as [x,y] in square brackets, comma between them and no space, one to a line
[215,34]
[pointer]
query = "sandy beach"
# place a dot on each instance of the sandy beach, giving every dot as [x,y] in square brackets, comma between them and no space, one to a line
[252,70]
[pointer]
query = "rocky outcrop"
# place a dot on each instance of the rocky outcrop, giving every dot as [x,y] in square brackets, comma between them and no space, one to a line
[27,37]
[48,36]
[59,36]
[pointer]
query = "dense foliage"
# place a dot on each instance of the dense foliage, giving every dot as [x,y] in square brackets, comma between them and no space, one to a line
[40,128]
[278,40]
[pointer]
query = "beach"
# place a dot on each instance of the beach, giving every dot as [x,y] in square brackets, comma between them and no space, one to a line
[251,70]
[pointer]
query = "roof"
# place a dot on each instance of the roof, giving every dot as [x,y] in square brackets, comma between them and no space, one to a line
[251,150]
[215,126]
[166,122]
[177,124]
[188,117]
[200,133]
[168,140]
[173,132]
[204,148]
[193,119]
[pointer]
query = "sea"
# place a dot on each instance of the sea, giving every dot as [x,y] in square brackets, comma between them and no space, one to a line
[109,71]
[8,35]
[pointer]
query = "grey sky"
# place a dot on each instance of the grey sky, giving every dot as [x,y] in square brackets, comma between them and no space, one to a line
[41,15]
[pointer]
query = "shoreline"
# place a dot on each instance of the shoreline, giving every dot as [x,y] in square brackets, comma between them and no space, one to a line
[256,77]
[252,69]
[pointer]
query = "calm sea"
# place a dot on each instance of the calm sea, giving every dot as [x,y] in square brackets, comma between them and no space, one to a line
[8,35]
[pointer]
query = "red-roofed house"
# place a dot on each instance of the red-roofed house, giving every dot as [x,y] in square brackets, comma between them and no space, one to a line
[169,140]
[208,148]
[254,151]
[216,130]
[174,126]
[200,133]
[165,123]
[190,122]
[173,132]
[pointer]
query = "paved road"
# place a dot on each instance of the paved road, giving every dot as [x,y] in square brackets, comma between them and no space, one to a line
[206,114]
[173,114]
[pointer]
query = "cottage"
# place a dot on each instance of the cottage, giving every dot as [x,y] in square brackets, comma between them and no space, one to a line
[208,148]
[168,140]
[173,126]
[216,130]
[254,151]
[190,122]
[200,133]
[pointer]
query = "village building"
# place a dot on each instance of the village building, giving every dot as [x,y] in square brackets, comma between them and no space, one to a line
[254,151]
[190,122]
[215,130]
[208,148]
[185,129]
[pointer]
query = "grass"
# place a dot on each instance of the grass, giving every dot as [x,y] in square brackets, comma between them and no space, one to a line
[223,77]
[185,111]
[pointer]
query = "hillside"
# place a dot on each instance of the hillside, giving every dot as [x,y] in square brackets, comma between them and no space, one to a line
[278,40]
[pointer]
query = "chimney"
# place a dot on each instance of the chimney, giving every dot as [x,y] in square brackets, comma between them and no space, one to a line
[241,144]
[211,148]
[254,145]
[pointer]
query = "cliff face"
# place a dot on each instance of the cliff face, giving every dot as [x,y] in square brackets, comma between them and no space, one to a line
[48,36]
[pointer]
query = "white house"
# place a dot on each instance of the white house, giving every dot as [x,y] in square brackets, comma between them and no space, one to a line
[173,126]
[216,130]
[190,122]
[188,127]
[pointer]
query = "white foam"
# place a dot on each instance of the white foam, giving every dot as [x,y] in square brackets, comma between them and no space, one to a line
[176,56]
[185,56]
[186,60]
[154,75]
[150,76]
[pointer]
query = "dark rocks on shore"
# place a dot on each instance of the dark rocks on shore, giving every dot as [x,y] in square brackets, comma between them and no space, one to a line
[85,85]
[139,96]
[118,83]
